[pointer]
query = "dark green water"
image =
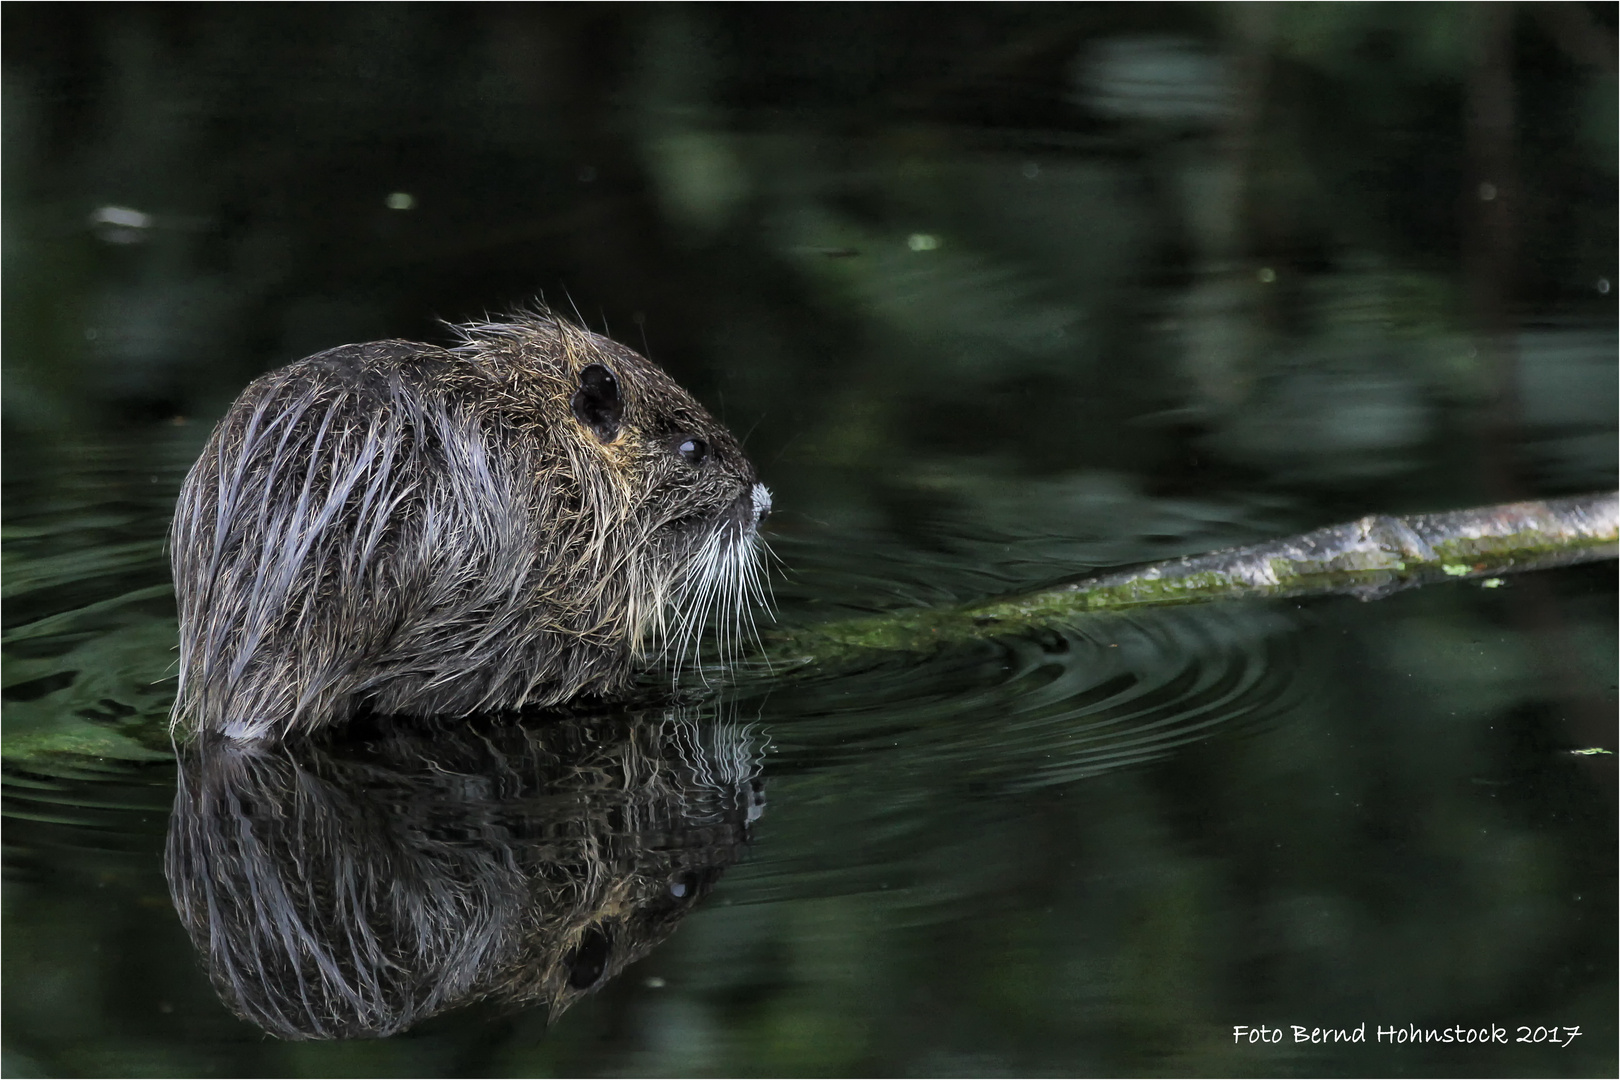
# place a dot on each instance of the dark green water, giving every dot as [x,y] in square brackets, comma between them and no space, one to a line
[997,296]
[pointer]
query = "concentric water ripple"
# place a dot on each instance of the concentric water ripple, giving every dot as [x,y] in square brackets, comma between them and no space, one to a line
[1054,707]
[885,755]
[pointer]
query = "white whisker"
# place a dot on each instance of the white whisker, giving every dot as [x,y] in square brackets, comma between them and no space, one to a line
[724,582]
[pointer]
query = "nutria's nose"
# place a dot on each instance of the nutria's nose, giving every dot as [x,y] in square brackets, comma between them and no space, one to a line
[762,504]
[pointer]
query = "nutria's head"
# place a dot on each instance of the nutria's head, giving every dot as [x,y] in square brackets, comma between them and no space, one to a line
[671,503]
[511,522]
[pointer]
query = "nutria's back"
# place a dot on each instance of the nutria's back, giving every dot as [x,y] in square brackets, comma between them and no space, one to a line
[432,531]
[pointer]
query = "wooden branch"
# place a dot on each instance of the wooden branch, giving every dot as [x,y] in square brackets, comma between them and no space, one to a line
[1369,558]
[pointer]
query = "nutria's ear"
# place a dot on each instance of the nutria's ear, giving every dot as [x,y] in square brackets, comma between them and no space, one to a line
[589,960]
[597,404]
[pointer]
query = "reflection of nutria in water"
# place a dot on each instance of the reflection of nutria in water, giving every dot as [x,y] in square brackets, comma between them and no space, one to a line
[349,891]
[435,532]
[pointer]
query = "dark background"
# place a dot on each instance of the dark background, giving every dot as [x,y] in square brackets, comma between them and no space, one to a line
[733,189]
[995,294]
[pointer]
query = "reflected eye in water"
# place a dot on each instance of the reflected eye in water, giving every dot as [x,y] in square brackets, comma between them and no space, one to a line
[691,884]
[589,959]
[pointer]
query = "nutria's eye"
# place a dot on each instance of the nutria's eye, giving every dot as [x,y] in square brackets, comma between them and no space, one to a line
[589,959]
[692,451]
[597,404]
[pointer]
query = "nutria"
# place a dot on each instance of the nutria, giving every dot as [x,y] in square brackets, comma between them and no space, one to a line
[352,887]
[511,522]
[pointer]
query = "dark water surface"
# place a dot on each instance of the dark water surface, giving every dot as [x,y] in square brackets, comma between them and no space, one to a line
[997,296]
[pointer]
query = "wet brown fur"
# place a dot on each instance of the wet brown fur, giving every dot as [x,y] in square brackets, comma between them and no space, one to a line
[434,531]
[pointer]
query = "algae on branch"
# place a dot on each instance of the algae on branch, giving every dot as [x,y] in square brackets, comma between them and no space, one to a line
[1369,558]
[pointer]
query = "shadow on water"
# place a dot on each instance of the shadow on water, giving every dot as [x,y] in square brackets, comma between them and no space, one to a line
[352,888]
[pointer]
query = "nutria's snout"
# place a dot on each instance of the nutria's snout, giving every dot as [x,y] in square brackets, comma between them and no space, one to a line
[510,522]
[760,499]
[750,509]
